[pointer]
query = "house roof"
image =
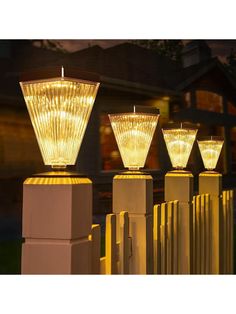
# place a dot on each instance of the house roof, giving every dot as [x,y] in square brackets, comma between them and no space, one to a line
[125,63]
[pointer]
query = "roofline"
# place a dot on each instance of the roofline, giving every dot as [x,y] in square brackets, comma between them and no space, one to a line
[201,72]
[138,88]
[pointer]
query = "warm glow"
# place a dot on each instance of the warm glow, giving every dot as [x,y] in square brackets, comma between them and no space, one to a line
[59,109]
[179,143]
[134,133]
[210,152]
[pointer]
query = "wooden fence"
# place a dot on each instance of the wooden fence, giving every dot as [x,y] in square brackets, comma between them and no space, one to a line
[118,244]
[117,251]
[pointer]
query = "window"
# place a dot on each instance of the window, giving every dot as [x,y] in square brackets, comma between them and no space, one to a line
[231,108]
[209,101]
[110,155]
[233,148]
[187,98]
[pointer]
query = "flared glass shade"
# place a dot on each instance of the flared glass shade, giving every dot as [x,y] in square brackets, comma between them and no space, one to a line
[134,133]
[59,110]
[179,143]
[210,150]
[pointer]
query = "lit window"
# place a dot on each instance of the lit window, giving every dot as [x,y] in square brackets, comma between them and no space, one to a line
[233,148]
[187,97]
[231,108]
[209,101]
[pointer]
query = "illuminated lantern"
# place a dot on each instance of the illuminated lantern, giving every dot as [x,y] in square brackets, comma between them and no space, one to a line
[134,132]
[179,142]
[59,109]
[210,149]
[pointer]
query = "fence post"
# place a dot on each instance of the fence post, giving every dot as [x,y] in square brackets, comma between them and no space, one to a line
[179,186]
[57,219]
[211,183]
[134,194]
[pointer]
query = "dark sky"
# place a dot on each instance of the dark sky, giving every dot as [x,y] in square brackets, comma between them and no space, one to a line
[220,48]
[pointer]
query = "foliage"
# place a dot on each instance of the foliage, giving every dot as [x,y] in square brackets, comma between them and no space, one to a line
[54,45]
[169,48]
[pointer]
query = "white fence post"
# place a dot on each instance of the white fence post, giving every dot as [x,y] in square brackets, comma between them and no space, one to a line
[211,183]
[134,194]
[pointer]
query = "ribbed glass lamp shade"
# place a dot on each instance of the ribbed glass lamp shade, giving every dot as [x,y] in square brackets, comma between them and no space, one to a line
[59,109]
[134,133]
[210,150]
[179,143]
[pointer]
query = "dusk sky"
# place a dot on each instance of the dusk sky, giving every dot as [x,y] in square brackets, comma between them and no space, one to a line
[220,48]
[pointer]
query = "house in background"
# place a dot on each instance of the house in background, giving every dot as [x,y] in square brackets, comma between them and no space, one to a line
[198,91]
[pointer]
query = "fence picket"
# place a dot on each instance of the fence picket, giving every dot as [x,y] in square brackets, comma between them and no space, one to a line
[224,239]
[169,268]
[207,234]
[202,234]
[156,239]
[124,243]
[194,237]
[175,237]
[95,238]
[231,227]
[198,234]
[111,247]
[163,237]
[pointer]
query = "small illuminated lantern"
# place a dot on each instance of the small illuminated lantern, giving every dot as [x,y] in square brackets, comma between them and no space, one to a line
[210,149]
[59,109]
[179,142]
[134,132]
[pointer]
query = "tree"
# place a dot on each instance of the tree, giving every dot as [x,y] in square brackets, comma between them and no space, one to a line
[169,48]
[49,44]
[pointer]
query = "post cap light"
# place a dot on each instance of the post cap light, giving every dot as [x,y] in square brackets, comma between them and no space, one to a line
[210,149]
[134,132]
[59,110]
[179,142]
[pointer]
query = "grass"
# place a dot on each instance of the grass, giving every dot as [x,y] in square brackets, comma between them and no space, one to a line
[10,255]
